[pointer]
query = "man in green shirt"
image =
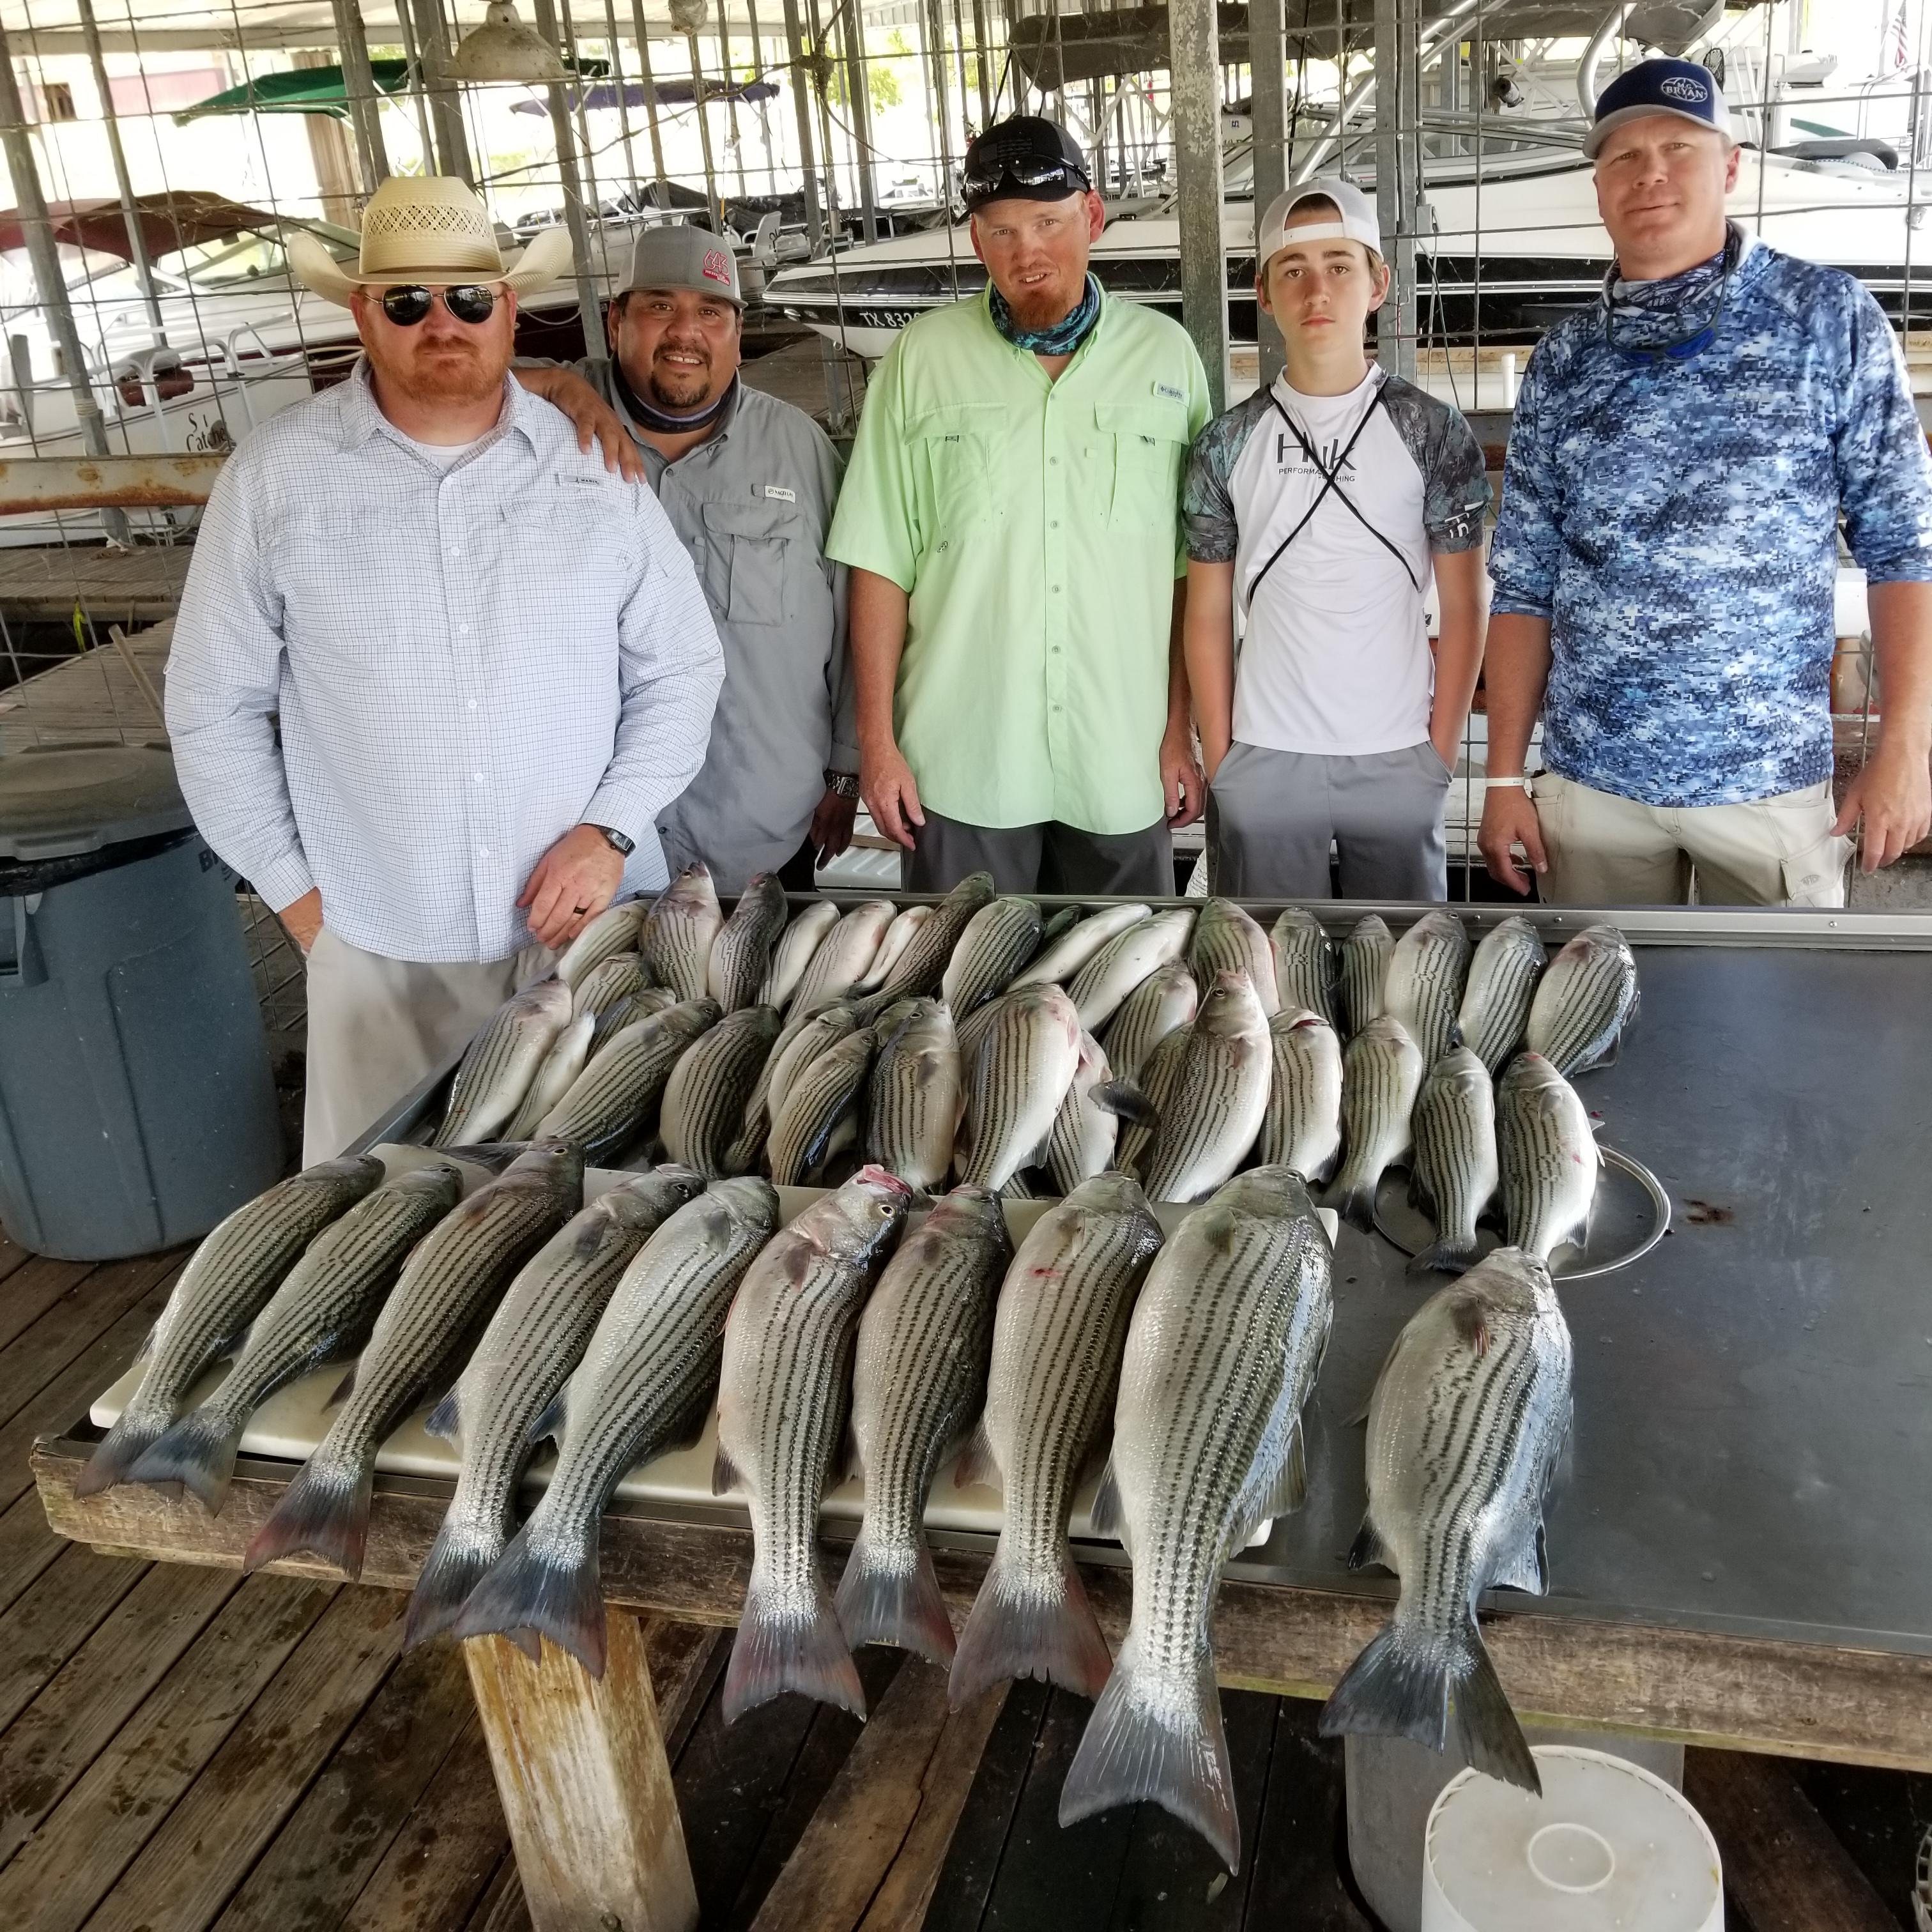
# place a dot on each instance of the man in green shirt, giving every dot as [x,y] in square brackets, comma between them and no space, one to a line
[1011,518]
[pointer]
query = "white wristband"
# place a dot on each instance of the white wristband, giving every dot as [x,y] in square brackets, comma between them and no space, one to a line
[1519,780]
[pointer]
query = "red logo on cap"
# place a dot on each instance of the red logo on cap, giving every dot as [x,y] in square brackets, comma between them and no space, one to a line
[717,266]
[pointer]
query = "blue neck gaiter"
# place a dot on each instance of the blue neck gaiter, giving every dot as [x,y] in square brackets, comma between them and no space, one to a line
[1063,338]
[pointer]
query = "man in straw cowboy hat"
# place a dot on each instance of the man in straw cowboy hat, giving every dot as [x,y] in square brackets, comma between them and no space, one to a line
[491,659]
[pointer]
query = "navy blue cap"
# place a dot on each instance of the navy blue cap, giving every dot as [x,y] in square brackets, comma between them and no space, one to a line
[1025,158]
[1679,87]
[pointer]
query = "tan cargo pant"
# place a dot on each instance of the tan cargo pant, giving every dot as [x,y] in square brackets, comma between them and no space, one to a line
[377,1028]
[1605,850]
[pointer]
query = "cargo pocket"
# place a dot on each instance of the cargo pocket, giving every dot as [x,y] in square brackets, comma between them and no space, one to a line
[751,541]
[957,442]
[1812,859]
[1816,876]
[1150,441]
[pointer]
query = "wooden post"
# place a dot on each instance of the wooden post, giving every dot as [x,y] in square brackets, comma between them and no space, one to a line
[581,1768]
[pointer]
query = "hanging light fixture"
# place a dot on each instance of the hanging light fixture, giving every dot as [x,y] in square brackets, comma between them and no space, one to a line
[504,49]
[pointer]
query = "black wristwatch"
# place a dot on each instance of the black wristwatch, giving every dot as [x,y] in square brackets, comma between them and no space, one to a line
[619,842]
[842,785]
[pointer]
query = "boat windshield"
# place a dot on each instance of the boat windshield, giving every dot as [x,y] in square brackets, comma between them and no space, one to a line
[252,255]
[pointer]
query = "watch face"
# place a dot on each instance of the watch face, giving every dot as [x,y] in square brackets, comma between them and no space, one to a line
[619,842]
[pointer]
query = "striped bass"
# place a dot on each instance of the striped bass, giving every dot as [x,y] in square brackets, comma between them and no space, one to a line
[1454,1176]
[1468,1419]
[226,1284]
[1226,1341]
[1305,964]
[1365,961]
[451,1282]
[1057,1335]
[536,1337]
[918,1383]
[1102,985]
[917,1094]
[1549,1157]
[1220,1097]
[820,1114]
[999,939]
[741,954]
[1160,1075]
[640,1005]
[499,1063]
[1381,1073]
[679,930]
[782,1402]
[1086,1131]
[793,953]
[704,1099]
[1302,1127]
[647,1381]
[1584,1001]
[1228,940]
[922,965]
[899,936]
[610,1103]
[843,956]
[568,1055]
[1502,983]
[1424,986]
[1072,950]
[616,978]
[1015,1084]
[1167,998]
[322,1312]
[803,1041]
[613,931]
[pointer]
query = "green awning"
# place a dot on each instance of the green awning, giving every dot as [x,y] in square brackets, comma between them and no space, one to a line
[302,90]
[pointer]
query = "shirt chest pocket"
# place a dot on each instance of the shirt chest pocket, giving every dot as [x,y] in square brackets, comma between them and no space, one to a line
[956,444]
[752,546]
[1149,443]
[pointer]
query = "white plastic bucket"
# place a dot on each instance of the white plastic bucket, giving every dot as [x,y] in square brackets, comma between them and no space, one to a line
[1606,1848]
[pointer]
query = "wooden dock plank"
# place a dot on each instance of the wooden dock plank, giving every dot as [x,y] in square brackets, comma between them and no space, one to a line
[1299,1854]
[113,586]
[12,1257]
[32,1286]
[85,1308]
[51,1744]
[27,1546]
[54,1617]
[64,1870]
[226,1819]
[331,1844]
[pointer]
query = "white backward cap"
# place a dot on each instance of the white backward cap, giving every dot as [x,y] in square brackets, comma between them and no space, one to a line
[1357,222]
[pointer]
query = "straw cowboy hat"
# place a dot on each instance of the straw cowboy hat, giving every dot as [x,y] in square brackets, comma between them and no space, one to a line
[432,229]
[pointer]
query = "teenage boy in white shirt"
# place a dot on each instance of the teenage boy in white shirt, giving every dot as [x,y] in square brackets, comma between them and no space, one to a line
[1315,512]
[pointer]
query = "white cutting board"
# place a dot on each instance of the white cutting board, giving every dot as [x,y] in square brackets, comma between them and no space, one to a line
[289,1424]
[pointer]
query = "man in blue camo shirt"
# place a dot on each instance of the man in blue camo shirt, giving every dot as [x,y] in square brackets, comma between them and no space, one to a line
[1681,455]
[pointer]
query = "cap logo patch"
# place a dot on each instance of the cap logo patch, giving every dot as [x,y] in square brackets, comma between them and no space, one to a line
[1682,87]
[717,266]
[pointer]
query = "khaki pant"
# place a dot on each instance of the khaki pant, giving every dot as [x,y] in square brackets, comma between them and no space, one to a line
[378,1028]
[1605,850]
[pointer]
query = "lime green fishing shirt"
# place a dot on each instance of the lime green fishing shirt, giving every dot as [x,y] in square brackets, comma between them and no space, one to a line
[1035,527]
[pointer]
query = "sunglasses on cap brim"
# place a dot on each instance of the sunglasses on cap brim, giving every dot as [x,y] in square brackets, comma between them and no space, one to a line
[473,302]
[986,180]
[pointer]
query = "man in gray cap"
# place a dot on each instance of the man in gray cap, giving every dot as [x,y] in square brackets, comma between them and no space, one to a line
[749,483]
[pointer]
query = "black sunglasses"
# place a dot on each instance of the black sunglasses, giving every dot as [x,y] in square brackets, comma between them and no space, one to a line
[983,180]
[471,302]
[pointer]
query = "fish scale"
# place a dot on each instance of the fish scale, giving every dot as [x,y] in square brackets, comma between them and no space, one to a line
[1228,940]
[1424,989]
[1160,1071]
[1381,1072]
[704,1099]
[1167,998]
[1302,1126]
[1220,1097]
[448,1286]
[606,983]
[998,941]
[499,1063]
[923,964]
[1503,976]
[1548,1154]
[1455,1171]
[742,952]
[649,1373]
[915,1094]
[609,1102]
[1226,1340]
[1584,998]
[1365,961]
[1057,1334]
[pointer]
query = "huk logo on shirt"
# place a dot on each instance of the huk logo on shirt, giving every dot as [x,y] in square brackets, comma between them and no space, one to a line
[1290,461]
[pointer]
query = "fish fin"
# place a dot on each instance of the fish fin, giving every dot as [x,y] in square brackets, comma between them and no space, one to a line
[1455,1036]
[1122,1098]
[1153,1745]
[1528,1569]
[1356,1205]
[548,1427]
[1444,1257]
[1369,1549]
[977,1465]
[724,1476]
[1107,1517]
[1469,1316]
[1486,1726]
[530,1592]
[1015,1186]
[1421,1196]
[1017,1628]
[456,1564]
[1291,1487]
[343,1389]
[123,1445]
[324,1512]
[886,1599]
[198,1452]
[1398,1687]
[848,1465]
[442,1420]
[776,1650]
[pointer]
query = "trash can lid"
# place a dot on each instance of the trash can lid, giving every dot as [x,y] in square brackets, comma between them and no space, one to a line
[58,801]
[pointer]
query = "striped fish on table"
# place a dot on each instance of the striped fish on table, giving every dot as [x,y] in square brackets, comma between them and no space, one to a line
[793,953]
[783,1398]
[843,956]
[1548,1153]
[499,1063]
[899,935]
[1227,939]
[1167,998]
[741,954]
[616,978]
[1072,950]
[1086,1131]
[1381,1073]
[680,927]
[922,965]
[704,1099]
[1226,1341]
[1424,986]
[611,1103]
[1209,1123]
[1017,1078]
[1160,1075]
[614,931]
[999,939]
[1466,1424]
[1584,1001]
[1501,984]
[1302,1126]
[917,1093]
[1305,964]
[1364,977]
[1102,986]
[821,1116]
[1454,1176]
[568,1055]
[919,1383]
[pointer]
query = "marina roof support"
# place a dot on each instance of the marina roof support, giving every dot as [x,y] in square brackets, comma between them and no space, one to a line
[452,150]
[1398,57]
[801,95]
[1268,53]
[1195,68]
[358,83]
[589,307]
[144,270]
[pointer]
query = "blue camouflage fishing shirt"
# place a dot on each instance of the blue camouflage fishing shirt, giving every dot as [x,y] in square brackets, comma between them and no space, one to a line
[1677,522]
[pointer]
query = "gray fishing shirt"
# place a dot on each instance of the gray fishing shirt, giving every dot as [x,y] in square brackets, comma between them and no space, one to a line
[751,504]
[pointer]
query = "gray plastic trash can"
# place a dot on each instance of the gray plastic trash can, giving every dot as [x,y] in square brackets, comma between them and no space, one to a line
[136,1105]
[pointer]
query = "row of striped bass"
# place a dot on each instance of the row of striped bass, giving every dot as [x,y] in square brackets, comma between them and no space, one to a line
[612,1101]
[1466,1424]
[1226,1341]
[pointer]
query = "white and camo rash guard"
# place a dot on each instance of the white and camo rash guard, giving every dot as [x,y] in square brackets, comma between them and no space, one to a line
[1676,519]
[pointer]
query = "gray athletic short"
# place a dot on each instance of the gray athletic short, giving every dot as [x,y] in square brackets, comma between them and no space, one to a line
[1271,815]
[1048,858]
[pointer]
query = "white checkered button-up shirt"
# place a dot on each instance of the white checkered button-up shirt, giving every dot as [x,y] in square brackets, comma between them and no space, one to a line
[465,663]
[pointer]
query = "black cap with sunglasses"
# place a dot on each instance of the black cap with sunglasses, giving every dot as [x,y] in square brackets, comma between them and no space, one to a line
[1027,158]
[406,305]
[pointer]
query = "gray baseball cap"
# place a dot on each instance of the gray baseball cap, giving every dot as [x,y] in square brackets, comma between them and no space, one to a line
[686,258]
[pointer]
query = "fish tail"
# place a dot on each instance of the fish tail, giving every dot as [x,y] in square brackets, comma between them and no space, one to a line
[458,1559]
[123,1445]
[890,1594]
[1161,1743]
[540,1589]
[1450,1255]
[1022,1626]
[1486,1726]
[777,1649]
[324,1512]
[1355,1202]
[198,1452]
